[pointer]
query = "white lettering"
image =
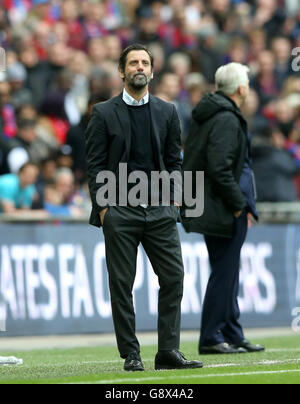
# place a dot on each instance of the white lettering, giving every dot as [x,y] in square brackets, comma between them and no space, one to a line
[18,256]
[296,321]
[82,293]
[66,252]
[46,253]
[139,278]
[255,276]
[296,61]
[32,281]
[7,286]
[153,288]
[2,60]
[190,301]
[103,306]
[297,293]
[204,266]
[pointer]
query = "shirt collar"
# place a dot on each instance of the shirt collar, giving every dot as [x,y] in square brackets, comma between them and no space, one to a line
[133,102]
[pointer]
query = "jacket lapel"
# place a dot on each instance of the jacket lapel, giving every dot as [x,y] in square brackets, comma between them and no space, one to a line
[155,116]
[123,116]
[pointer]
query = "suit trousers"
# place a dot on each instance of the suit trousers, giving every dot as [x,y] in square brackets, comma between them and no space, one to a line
[156,229]
[220,309]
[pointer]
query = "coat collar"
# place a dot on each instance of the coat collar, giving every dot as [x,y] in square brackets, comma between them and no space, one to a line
[232,105]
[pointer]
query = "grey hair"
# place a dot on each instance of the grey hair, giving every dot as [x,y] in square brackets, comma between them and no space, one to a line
[230,77]
[179,57]
[61,172]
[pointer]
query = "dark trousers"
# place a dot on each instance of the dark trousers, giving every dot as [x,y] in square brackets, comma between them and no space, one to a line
[220,309]
[155,228]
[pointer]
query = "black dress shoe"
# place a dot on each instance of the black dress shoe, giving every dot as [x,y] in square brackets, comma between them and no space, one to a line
[166,360]
[133,363]
[245,344]
[221,349]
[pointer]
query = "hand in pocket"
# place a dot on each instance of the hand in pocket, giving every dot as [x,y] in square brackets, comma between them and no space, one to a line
[102,215]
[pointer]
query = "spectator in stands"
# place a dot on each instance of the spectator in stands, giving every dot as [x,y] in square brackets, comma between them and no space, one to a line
[37,73]
[175,34]
[79,69]
[26,146]
[53,202]
[270,16]
[292,144]
[206,58]
[64,183]
[70,17]
[282,50]
[93,20]
[220,11]
[197,87]
[257,44]
[264,83]
[27,111]
[147,29]
[169,89]
[17,191]
[256,122]
[43,38]
[19,147]
[7,111]
[96,52]
[237,51]
[53,116]
[59,56]
[76,140]
[274,168]
[180,64]
[113,46]
[284,117]
[46,177]
[16,76]
[158,53]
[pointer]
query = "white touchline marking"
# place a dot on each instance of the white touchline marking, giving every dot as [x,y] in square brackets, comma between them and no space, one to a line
[157,378]
[283,350]
[217,365]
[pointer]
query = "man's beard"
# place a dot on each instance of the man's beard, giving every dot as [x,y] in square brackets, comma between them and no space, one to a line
[138,81]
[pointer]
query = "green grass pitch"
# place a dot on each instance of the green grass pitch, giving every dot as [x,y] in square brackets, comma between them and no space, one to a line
[280,364]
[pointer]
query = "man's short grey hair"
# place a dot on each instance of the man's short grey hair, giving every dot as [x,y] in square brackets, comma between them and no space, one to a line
[231,76]
[62,172]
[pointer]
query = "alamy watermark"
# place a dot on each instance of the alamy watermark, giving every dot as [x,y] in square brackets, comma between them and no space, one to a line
[161,188]
[2,314]
[296,321]
[296,60]
[2,60]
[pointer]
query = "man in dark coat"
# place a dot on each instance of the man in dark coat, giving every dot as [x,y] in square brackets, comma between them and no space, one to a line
[274,167]
[144,133]
[218,144]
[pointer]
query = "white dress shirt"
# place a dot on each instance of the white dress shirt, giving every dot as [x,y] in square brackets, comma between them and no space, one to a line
[132,101]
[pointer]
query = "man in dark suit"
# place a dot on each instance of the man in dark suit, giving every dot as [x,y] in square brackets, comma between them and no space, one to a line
[144,132]
[218,144]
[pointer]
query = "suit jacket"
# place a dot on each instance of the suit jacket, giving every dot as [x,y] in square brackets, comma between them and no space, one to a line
[108,141]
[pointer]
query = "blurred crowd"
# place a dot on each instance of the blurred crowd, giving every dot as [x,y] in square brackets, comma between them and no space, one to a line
[62,58]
